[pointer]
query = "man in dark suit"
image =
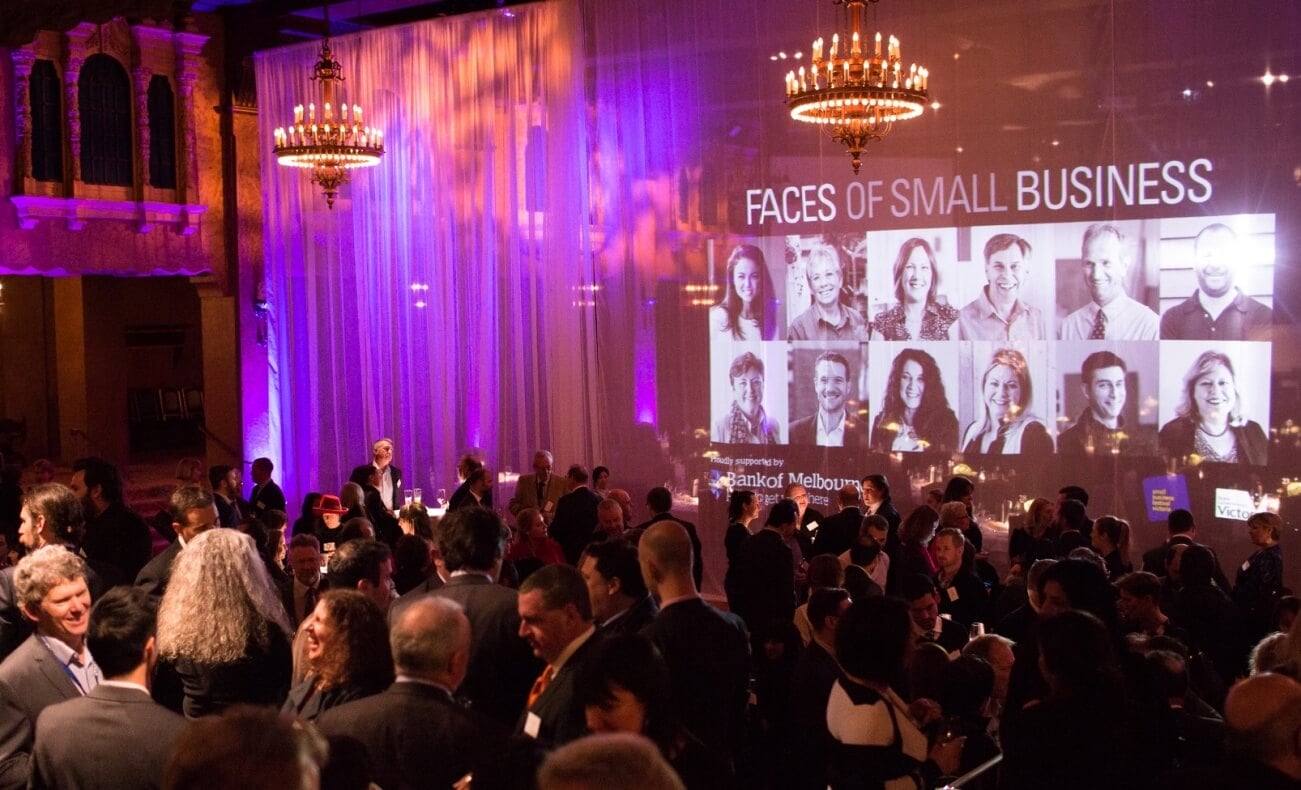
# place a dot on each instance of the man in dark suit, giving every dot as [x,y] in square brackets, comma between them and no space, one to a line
[556,620]
[541,489]
[707,650]
[815,673]
[221,478]
[266,493]
[924,606]
[620,601]
[115,535]
[832,425]
[414,733]
[575,514]
[115,736]
[502,668]
[53,665]
[390,477]
[763,576]
[962,594]
[193,512]
[810,521]
[840,532]
[464,468]
[659,500]
[475,492]
[305,584]
[877,502]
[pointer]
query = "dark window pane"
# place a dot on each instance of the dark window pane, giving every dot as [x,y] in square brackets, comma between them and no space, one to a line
[162,133]
[105,104]
[47,122]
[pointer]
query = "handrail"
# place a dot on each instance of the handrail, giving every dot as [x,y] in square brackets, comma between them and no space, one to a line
[214,437]
[961,781]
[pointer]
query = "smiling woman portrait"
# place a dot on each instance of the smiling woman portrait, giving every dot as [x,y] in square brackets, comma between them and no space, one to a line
[1210,422]
[915,414]
[917,314]
[742,313]
[745,421]
[1006,426]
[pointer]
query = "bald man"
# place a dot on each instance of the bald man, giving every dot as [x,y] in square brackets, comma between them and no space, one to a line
[1262,718]
[707,650]
[415,732]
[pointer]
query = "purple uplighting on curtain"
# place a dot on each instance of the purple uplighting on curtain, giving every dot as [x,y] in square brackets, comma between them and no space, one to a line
[450,207]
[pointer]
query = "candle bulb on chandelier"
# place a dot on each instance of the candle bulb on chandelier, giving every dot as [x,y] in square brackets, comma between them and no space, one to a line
[878,46]
[835,45]
[311,113]
[298,114]
[854,49]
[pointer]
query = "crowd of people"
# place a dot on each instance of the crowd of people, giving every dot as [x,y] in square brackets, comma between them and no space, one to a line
[373,644]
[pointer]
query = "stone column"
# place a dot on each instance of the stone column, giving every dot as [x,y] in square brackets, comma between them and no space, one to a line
[142,75]
[24,59]
[71,100]
[188,47]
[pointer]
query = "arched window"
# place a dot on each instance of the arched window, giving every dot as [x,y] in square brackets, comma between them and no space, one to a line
[104,99]
[47,122]
[162,133]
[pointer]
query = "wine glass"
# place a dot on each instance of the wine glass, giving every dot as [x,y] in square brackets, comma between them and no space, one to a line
[442,497]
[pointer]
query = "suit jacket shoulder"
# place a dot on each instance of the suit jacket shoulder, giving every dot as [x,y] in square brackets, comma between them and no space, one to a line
[562,718]
[158,571]
[415,735]
[81,742]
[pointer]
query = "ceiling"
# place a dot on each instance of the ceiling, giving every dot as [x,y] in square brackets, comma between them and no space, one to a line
[257,23]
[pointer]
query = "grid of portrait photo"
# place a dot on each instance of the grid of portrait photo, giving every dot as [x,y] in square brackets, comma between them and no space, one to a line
[1146,337]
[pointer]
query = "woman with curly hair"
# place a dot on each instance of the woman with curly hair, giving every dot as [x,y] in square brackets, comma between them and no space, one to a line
[915,413]
[741,313]
[222,627]
[347,654]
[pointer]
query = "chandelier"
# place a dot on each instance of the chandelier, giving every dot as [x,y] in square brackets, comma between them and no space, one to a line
[860,97]
[332,146]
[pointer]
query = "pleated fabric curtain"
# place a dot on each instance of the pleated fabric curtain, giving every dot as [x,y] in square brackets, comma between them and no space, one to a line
[483,197]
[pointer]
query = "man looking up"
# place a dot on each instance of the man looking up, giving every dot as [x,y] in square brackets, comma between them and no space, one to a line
[556,619]
[998,313]
[390,477]
[1112,314]
[1099,428]
[1218,309]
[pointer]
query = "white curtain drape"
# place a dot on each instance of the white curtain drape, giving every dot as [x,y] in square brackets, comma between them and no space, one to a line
[476,197]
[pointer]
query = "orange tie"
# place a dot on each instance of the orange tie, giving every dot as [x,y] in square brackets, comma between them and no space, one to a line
[540,685]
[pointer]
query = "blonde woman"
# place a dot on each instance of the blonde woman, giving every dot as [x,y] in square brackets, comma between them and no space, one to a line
[222,627]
